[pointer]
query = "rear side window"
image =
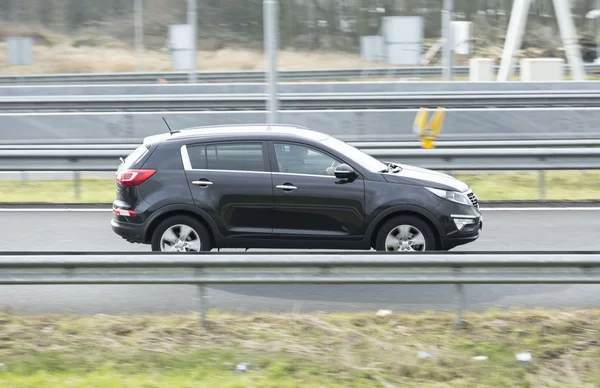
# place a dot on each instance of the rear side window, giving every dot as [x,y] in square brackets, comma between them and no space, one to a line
[197,156]
[135,156]
[235,156]
[239,156]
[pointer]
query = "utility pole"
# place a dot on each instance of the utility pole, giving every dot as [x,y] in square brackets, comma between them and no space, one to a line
[271,44]
[516,28]
[569,38]
[597,32]
[139,33]
[191,19]
[448,40]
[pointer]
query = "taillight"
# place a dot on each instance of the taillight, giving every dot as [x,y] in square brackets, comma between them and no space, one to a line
[124,212]
[133,177]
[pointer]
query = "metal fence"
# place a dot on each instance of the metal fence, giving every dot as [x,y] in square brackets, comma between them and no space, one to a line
[299,88]
[320,101]
[297,268]
[254,76]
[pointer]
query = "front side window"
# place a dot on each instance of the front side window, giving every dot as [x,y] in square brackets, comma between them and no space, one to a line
[298,159]
[354,154]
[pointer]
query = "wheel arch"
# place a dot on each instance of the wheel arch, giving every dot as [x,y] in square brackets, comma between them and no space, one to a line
[406,210]
[179,210]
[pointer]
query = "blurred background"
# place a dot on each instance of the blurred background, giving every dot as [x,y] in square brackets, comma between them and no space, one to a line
[83,82]
[73,36]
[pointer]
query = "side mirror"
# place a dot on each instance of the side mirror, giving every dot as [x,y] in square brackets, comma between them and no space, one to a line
[343,171]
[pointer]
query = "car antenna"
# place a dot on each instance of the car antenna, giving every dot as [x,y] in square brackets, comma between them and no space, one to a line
[170,130]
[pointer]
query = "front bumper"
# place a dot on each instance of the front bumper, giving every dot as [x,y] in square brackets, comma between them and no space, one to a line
[461,224]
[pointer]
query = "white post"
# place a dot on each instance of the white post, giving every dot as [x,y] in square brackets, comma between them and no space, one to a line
[514,36]
[191,19]
[569,38]
[270,16]
[139,33]
[448,40]
[597,32]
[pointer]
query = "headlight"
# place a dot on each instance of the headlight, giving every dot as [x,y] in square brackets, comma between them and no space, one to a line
[453,196]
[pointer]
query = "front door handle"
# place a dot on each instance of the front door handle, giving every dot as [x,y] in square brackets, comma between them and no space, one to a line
[202,183]
[286,187]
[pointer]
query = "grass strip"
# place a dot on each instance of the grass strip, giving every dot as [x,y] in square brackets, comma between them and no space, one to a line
[560,185]
[324,350]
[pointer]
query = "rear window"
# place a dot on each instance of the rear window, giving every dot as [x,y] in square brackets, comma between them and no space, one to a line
[135,156]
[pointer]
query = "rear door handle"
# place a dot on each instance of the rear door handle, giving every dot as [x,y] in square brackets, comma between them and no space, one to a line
[286,187]
[202,183]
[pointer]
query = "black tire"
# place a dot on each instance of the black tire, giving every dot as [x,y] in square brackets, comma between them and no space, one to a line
[197,227]
[422,226]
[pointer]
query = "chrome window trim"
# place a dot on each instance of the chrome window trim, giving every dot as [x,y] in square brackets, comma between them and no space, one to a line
[236,171]
[187,164]
[185,158]
[297,174]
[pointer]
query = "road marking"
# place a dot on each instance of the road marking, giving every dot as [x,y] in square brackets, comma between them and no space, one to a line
[489,209]
[531,209]
[52,210]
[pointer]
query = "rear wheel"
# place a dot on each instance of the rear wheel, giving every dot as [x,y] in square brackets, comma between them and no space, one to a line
[180,234]
[405,234]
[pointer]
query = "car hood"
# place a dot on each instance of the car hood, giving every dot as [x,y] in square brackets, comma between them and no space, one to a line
[422,176]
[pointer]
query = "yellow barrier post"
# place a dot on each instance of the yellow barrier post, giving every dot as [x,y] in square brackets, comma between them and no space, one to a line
[426,130]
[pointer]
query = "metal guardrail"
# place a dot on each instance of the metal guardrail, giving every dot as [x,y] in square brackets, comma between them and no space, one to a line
[435,159]
[364,145]
[291,88]
[442,159]
[251,76]
[321,101]
[297,268]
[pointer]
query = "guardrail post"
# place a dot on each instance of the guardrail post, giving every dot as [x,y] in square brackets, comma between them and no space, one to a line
[460,302]
[77,184]
[542,183]
[203,303]
[24,179]
[460,305]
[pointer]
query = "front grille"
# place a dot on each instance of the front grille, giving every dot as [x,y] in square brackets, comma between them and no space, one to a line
[473,199]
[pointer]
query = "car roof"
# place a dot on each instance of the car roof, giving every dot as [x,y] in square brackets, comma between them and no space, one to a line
[249,130]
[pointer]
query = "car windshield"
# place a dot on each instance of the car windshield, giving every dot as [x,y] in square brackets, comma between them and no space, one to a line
[355,154]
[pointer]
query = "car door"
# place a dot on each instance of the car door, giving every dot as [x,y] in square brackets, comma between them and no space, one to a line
[231,182]
[309,200]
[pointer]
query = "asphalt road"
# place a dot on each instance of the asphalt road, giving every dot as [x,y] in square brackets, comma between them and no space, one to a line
[514,230]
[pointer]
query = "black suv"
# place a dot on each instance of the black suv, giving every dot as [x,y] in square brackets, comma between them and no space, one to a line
[282,186]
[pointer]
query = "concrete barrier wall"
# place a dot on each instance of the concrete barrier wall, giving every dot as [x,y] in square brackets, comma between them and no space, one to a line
[542,69]
[481,70]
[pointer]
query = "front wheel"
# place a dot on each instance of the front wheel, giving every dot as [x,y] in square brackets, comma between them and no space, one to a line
[180,234]
[405,234]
